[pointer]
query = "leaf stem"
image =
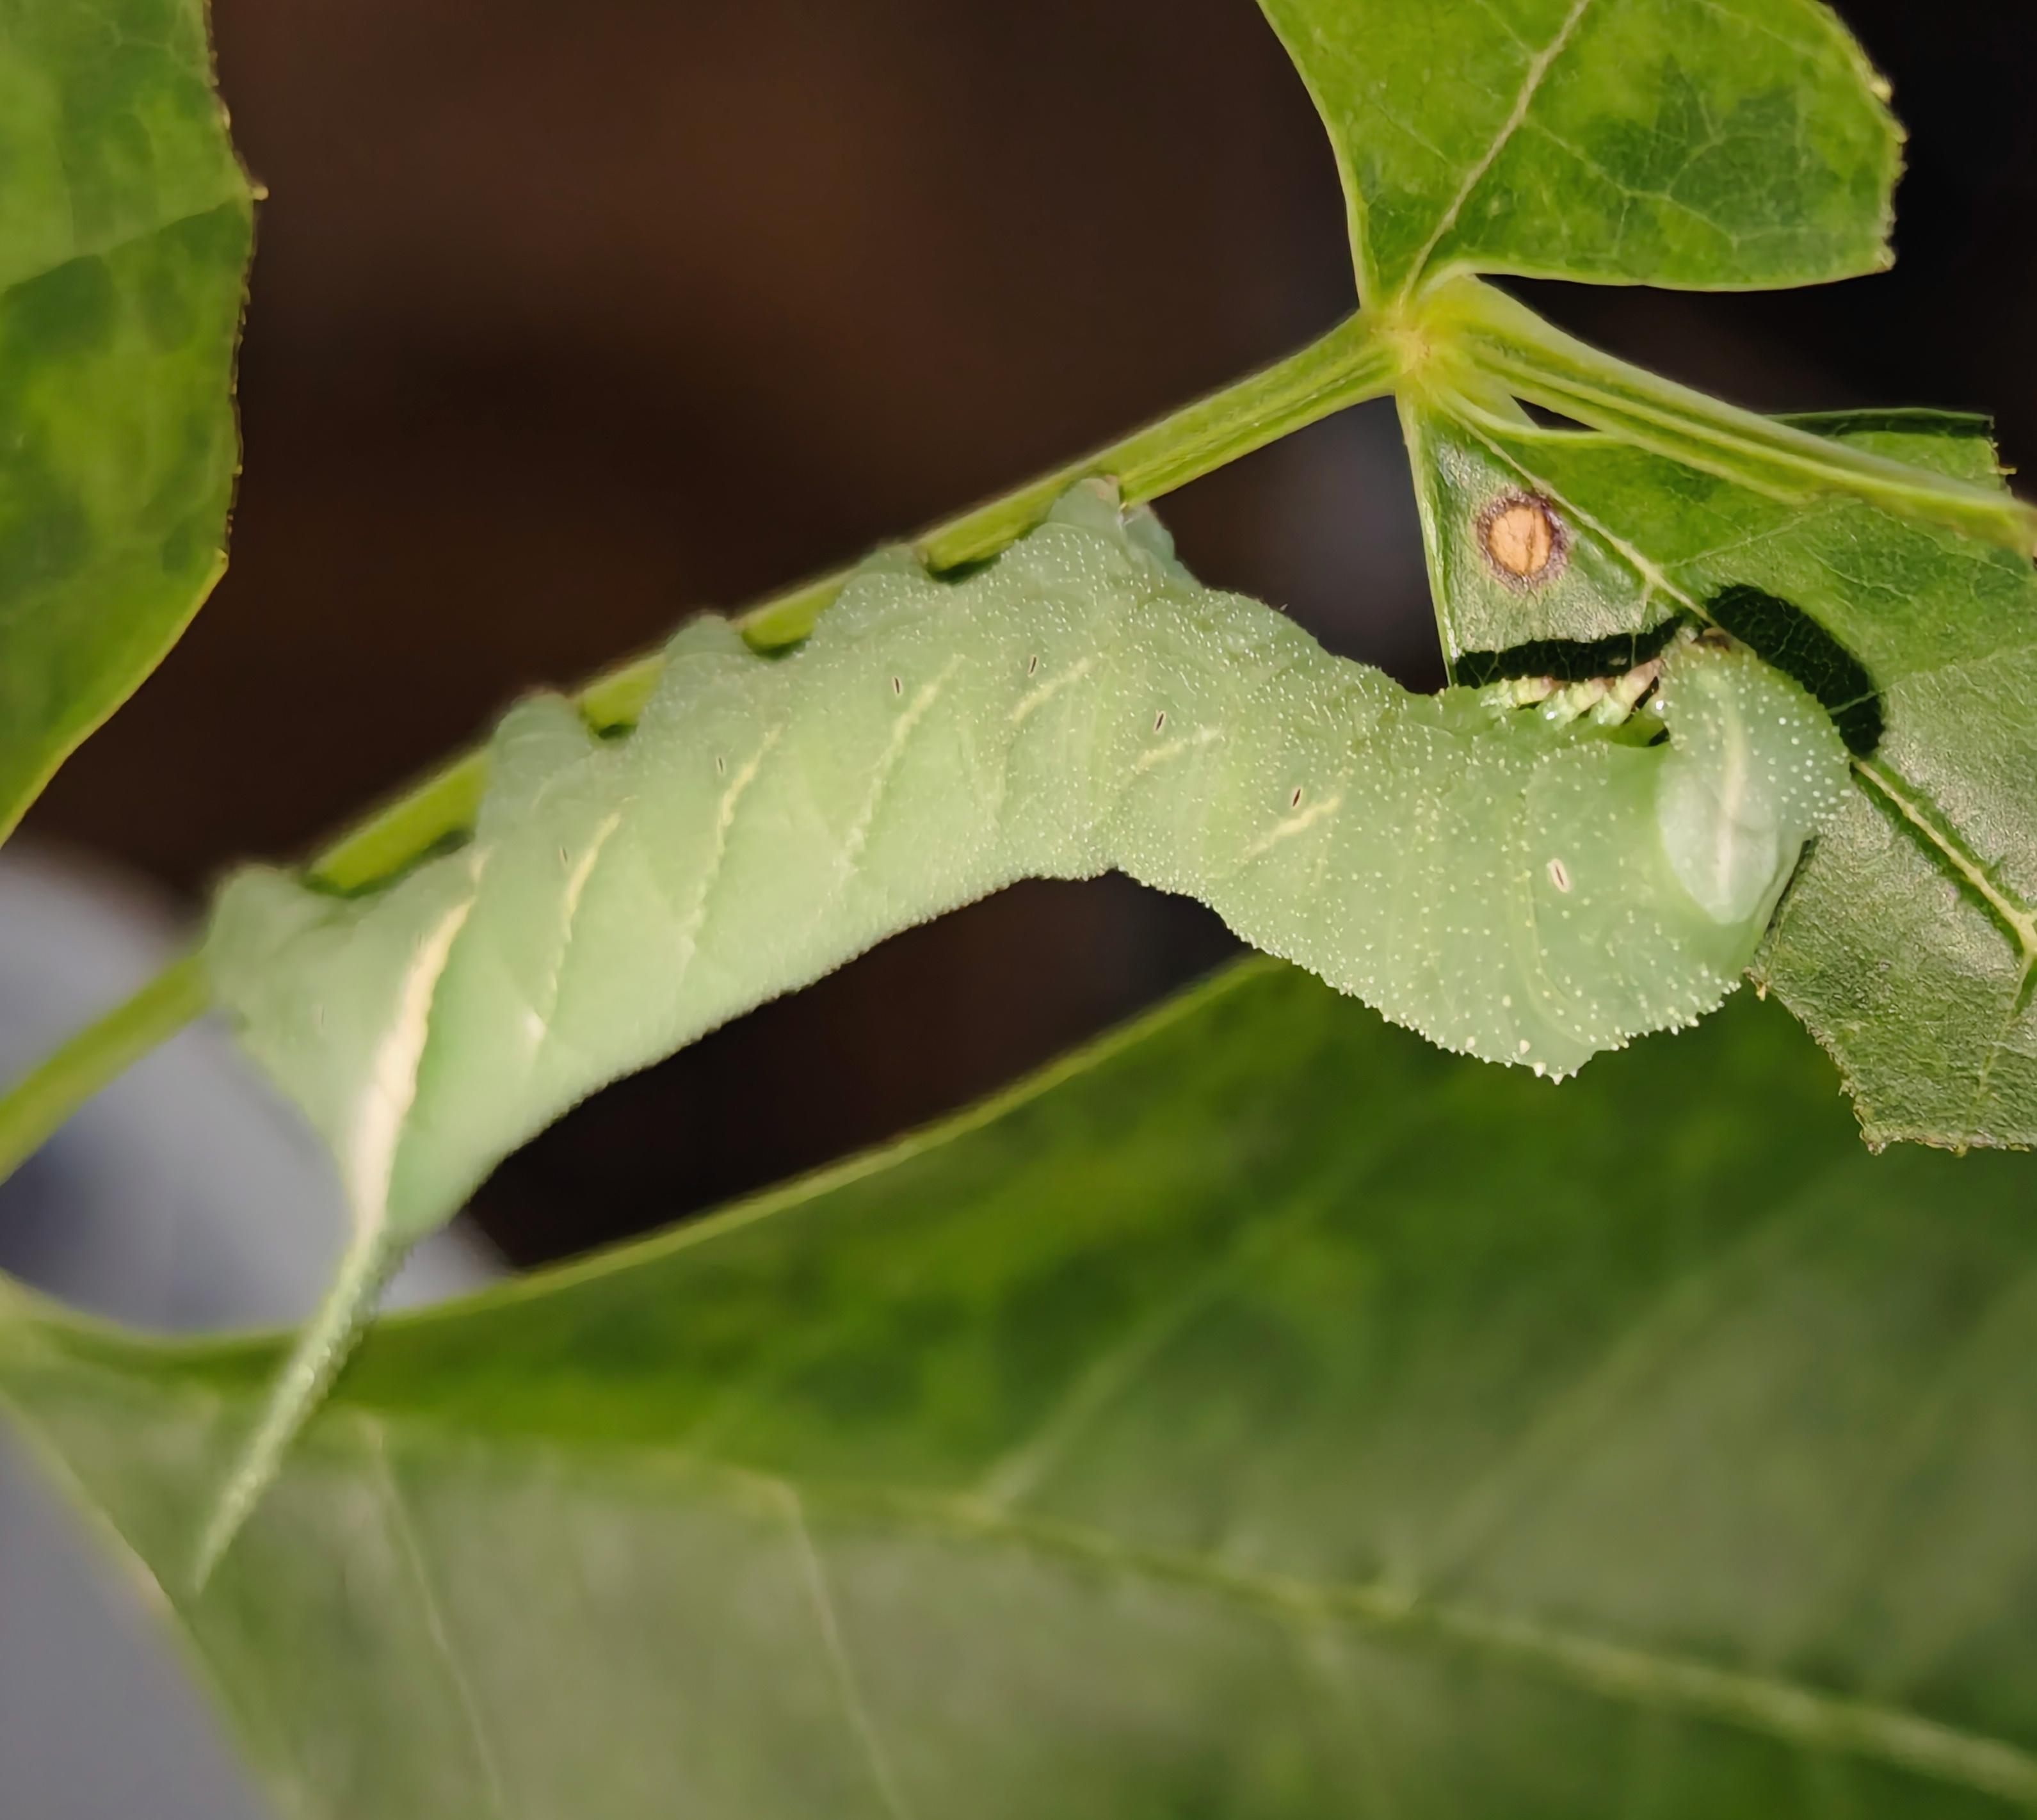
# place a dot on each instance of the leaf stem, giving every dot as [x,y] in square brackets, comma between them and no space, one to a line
[1534,361]
[51,1090]
[1350,364]
[1464,338]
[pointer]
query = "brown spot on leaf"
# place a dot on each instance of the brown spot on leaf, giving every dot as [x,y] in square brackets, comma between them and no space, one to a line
[1525,541]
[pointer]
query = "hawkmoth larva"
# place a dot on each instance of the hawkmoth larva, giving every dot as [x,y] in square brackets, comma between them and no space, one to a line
[1516,888]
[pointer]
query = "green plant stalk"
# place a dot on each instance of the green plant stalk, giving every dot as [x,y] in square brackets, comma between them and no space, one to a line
[1469,343]
[1350,364]
[1505,341]
[62,1081]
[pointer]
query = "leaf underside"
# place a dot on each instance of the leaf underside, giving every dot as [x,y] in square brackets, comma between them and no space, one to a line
[1907,943]
[1721,143]
[1208,1428]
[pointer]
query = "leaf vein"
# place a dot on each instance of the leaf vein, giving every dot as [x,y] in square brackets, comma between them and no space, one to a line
[1644,1679]
[1536,74]
[829,1620]
[1652,1679]
[410,1546]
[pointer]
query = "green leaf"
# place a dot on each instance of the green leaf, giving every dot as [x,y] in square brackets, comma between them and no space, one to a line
[124,230]
[1710,144]
[1908,943]
[1592,594]
[1208,1428]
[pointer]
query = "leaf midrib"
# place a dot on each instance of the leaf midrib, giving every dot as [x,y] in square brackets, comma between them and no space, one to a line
[1536,73]
[1654,1680]
[1660,1681]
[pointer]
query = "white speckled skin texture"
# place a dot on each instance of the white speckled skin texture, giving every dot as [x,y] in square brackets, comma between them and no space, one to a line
[1514,889]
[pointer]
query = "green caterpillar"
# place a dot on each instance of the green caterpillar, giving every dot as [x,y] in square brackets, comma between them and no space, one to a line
[1515,888]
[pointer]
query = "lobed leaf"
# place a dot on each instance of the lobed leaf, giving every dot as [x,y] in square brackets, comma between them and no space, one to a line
[1205,1427]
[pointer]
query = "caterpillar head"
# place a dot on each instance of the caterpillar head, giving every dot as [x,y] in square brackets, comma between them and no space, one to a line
[1756,767]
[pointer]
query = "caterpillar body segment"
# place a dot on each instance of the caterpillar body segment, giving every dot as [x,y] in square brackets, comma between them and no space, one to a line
[1522,887]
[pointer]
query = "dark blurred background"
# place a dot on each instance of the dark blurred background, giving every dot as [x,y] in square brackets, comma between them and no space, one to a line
[568,320]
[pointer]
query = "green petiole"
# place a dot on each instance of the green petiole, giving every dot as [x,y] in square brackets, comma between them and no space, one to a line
[1464,338]
[1491,334]
[63,1080]
[1350,364]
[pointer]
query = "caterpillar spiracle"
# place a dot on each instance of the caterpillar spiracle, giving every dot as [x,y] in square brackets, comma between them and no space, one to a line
[1513,888]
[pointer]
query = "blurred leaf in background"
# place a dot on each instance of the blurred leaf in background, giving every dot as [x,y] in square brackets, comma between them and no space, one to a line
[125,221]
[1214,1425]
